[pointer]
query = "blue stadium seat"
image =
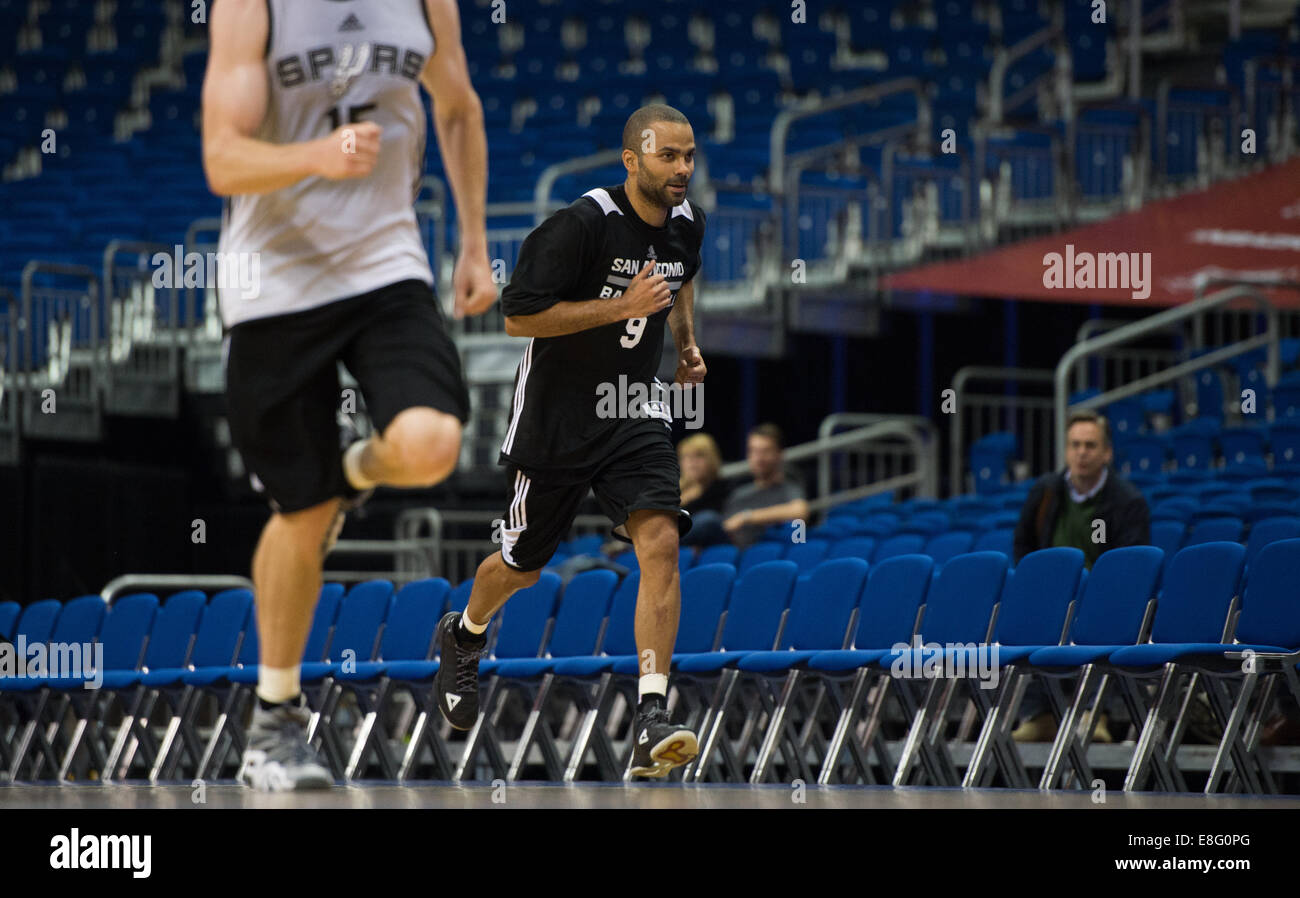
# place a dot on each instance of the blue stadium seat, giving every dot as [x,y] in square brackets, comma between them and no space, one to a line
[758,553]
[1270,530]
[946,546]
[807,555]
[903,544]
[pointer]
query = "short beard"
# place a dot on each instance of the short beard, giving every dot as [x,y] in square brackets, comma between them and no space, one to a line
[655,193]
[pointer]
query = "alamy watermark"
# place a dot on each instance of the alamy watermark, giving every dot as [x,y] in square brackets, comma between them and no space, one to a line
[233,271]
[684,402]
[1102,271]
[953,660]
[64,660]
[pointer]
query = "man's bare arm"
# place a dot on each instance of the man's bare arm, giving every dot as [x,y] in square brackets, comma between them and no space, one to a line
[646,294]
[458,120]
[235,91]
[681,321]
[566,318]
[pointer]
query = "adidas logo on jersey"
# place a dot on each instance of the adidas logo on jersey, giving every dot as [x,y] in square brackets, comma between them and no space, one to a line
[351,23]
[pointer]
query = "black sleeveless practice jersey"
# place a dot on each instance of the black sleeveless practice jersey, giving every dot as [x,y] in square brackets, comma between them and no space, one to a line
[591,250]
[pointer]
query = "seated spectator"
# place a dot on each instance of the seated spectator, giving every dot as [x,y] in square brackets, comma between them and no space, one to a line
[771,498]
[1063,509]
[703,493]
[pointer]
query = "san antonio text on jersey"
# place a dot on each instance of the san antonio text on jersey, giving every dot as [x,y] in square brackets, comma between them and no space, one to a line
[590,250]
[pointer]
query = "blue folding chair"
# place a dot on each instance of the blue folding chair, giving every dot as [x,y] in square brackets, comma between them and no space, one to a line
[1037,609]
[583,608]
[759,553]
[1196,602]
[706,594]
[719,554]
[1269,615]
[808,555]
[408,636]
[888,614]
[123,636]
[522,629]
[958,612]
[947,546]
[76,625]
[821,616]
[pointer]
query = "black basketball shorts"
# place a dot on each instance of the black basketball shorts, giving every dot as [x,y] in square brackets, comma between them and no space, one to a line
[283,394]
[640,474]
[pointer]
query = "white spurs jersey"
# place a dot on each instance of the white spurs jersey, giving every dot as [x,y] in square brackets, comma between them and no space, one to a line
[331,62]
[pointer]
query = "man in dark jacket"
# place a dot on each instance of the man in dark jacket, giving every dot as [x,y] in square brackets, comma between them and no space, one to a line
[1088,506]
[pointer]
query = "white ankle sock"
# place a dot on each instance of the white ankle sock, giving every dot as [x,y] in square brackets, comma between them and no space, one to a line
[352,466]
[470,626]
[277,684]
[652,684]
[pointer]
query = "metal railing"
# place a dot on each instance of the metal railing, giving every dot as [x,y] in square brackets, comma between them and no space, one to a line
[1120,365]
[880,454]
[1161,321]
[119,585]
[779,177]
[414,554]
[1002,62]
[1027,415]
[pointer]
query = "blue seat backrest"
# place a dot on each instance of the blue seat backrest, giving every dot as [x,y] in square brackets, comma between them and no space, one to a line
[361,614]
[525,616]
[1270,614]
[719,554]
[902,544]
[706,592]
[79,620]
[823,604]
[583,608]
[459,598]
[961,599]
[416,610]
[173,629]
[222,623]
[37,621]
[1037,599]
[322,621]
[1270,530]
[620,634]
[1119,586]
[896,589]
[125,629]
[758,553]
[758,600]
[1199,587]
[808,555]
[852,547]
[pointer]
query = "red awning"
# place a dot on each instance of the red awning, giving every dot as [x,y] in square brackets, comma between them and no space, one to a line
[1245,228]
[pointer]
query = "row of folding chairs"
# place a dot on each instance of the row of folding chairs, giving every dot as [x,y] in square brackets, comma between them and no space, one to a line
[805,669]
[768,665]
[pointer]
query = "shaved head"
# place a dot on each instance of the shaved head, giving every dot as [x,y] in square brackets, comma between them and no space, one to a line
[634,136]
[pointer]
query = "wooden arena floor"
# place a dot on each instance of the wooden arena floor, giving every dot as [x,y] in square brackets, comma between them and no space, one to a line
[654,795]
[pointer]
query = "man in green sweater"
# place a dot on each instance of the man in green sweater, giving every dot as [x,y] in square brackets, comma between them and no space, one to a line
[1088,507]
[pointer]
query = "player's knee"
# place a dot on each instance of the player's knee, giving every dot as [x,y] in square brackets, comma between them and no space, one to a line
[509,579]
[656,541]
[427,444]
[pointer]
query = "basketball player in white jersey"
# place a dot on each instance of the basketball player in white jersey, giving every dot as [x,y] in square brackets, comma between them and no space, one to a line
[314,130]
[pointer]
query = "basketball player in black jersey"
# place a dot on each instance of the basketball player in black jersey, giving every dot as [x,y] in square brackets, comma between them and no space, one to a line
[594,286]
